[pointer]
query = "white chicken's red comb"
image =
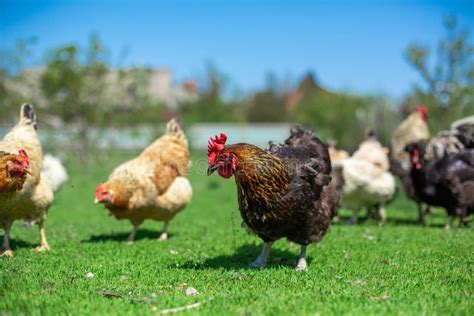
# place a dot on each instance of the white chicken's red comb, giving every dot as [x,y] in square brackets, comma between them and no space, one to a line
[26,159]
[214,146]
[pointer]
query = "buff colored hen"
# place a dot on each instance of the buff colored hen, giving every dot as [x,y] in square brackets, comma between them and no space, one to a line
[151,186]
[23,193]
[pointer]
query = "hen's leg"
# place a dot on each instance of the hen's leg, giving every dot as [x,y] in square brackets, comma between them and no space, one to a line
[382,213]
[429,210]
[302,265]
[353,220]
[421,214]
[6,251]
[450,222]
[164,233]
[261,260]
[131,237]
[43,242]
[464,219]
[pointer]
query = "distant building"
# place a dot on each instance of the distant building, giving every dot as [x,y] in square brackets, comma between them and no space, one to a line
[306,87]
[161,88]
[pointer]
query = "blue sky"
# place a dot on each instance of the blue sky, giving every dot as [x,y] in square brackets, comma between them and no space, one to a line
[350,45]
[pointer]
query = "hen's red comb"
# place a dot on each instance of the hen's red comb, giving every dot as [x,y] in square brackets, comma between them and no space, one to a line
[214,146]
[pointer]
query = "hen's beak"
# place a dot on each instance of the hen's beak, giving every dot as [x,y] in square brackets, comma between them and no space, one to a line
[96,200]
[211,169]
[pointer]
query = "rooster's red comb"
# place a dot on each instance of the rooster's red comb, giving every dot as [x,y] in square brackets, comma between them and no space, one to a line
[214,146]
[26,159]
[421,109]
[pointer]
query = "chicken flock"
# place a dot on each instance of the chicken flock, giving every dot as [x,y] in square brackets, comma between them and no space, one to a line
[291,190]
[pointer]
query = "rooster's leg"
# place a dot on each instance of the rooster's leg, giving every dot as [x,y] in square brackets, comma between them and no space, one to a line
[44,246]
[164,233]
[261,260]
[131,237]
[6,251]
[302,265]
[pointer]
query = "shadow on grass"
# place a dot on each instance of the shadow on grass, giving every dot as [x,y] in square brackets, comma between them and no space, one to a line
[243,257]
[122,237]
[18,243]
[344,220]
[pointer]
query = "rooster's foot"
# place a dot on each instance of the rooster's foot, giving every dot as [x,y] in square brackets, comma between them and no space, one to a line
[6,253]
[42,248]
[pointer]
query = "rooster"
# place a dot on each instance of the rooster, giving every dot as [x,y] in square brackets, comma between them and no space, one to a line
[23,193]
[151,186]
[413,129]
[284,191]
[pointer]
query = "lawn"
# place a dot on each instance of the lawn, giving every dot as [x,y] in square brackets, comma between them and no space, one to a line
[395,268]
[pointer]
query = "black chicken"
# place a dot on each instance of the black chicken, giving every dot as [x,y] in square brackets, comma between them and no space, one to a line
[447,182]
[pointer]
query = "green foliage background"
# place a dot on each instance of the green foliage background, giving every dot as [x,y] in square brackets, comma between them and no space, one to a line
[73,85]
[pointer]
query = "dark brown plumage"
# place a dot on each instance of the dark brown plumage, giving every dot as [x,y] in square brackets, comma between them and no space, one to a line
[447,182]
[403,174]
[284,191]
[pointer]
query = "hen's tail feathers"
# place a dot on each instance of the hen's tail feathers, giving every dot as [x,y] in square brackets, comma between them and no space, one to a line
[54,172]
[174,129]
[27,115]
[371,135]
[319,150]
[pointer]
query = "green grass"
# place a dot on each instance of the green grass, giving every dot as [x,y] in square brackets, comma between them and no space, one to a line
[396,268]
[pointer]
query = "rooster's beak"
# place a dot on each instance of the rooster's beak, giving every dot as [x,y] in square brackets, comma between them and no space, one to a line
[211,169]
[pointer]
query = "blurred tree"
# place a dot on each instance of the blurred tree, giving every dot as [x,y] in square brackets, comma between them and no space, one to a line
[269,105]
[342,117]
[12,80]
[74,85]
[448,88]
[210,106]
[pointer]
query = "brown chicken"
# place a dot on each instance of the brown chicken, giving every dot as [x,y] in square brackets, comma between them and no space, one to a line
[285,191]
[151,186]
[23,194]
